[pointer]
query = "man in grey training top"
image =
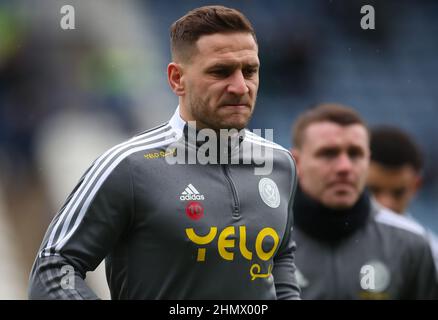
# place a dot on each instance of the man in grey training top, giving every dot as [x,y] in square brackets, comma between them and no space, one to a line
[349,247]
[172,230]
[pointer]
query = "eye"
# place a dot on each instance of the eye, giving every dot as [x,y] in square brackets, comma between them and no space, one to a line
[355,153]
[249,72]
[329,153]
[220,72]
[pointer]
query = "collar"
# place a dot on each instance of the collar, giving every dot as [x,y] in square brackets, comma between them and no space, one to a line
[326,224]
[177,123]
[180,126]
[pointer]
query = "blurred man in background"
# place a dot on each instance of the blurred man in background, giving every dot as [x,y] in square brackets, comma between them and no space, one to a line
[395,172]
[348,247]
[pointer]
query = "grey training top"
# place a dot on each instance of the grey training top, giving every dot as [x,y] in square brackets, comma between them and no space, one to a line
[182,231]
[388,258]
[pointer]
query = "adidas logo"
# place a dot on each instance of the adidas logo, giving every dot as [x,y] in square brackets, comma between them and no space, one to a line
[190,193]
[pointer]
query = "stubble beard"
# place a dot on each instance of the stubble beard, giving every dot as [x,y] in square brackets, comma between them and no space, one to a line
[206,119]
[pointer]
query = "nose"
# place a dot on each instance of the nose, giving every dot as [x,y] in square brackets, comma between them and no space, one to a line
[238,84]
[343,163]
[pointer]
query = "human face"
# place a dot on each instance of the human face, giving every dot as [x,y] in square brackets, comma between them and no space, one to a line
[393,188]
[220,81]
[333,162]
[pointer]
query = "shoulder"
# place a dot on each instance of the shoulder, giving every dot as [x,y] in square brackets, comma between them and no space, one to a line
[404,232]
[279,151]
[258,140]
[277,161]
[270,151]
[157,138]
[391,219]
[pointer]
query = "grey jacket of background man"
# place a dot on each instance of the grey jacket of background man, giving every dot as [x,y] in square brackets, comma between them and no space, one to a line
[184,231]
[388,258]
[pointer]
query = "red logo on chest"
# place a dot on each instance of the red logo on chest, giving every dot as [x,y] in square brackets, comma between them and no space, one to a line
[195,210]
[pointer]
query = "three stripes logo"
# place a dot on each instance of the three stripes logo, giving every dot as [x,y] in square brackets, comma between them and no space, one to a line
[190,194]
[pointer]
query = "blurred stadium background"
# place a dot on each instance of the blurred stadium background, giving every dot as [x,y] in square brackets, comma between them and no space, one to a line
[67,95]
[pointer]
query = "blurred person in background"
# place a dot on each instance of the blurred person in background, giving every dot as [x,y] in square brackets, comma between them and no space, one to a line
[349,247]
[396,166]
[395,173]
[132,207]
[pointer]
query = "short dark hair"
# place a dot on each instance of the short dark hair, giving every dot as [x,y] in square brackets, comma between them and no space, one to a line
[393,148]
[332,112]
[205,21]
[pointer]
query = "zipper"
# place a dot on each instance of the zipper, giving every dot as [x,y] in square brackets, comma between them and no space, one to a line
[236,203]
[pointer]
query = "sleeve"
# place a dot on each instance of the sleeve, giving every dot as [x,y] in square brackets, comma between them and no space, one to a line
[94,217]
[422,284]
[286,284]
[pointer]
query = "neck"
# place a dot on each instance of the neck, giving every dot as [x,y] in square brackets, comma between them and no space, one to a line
[327,224]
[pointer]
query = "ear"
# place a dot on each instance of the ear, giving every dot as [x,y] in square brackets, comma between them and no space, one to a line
[174,75]
[296,155]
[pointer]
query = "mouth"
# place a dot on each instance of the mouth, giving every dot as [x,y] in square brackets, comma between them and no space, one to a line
[235,105]
[342,185]
[239,108]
